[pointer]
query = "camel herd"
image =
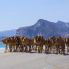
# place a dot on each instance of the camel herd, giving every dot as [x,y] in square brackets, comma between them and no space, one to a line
[52,45]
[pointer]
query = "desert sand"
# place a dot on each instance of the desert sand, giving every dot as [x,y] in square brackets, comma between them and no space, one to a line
[33,61]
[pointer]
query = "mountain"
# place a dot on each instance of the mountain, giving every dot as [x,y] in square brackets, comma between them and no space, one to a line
[41,27]
[8,33]
[44,28]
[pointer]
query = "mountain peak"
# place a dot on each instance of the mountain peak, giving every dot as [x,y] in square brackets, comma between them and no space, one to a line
[42,20]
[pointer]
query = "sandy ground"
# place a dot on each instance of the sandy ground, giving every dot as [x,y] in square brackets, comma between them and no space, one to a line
[33,61]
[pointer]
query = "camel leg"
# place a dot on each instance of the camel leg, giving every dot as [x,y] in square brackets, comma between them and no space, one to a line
[41,48]
[46,49]
[17,48]
[21,48]
[56,50]
[6,48]
[25,48]
[67,49]
[29,48]
[14,48]
[38,49]
[49,50]
[63,49]
[10,48]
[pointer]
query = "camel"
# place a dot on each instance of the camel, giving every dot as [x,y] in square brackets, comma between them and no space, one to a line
[60,45]
[55,45]
[24,44]
[6,44]
[17,43]
[52,44]
[67,44]
[39,42]
[10,43]
[48,46]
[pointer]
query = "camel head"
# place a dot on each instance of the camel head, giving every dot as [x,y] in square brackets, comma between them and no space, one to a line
[39,40]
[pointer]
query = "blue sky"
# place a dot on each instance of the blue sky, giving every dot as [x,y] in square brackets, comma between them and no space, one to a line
[19,13]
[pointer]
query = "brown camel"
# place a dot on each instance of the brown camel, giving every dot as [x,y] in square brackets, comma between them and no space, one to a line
[52,44]
[7,42]
[39,42]
[48,46]
[60,45]
[27,44]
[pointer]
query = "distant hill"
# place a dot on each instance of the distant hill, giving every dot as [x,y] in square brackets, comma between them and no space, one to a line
[44,28]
